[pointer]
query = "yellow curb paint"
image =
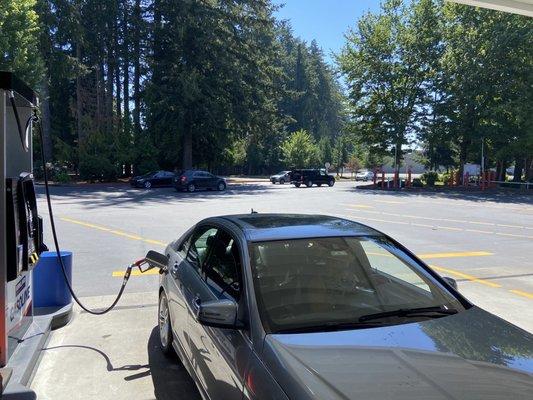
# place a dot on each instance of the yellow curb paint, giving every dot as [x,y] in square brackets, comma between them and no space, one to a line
[136,272]
[522,293]
[466,276]
[457,254]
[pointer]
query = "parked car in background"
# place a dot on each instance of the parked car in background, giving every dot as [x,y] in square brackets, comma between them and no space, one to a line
[311,307]
[281,178]
[364,175]
[192,180]
[310,177]
[153,179]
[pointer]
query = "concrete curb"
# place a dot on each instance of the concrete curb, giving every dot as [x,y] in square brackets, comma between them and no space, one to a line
[25,360]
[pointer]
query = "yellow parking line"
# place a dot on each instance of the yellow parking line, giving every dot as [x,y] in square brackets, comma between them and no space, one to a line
[459,221]
[513,235]
[456,254]
[422,225]
[478,231]
[466,276]
[450,228]
[113,231]
[359,206]
[521,293]
[136,272]
[120,233]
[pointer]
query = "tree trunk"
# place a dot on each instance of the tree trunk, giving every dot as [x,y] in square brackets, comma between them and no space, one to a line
[45,109]
[518,169]
[126,68]
[462,156]
[118,86]
[187,148]
[109,90]
[79,102]
[137,68]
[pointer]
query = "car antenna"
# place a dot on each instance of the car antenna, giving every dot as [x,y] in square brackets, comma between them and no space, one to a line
[252,211]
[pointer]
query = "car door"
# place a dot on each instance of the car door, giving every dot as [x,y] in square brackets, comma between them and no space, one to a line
[185,270]
[157,179]
[220,356]
[199,180]
[322,176]
[211,180]
[166,178]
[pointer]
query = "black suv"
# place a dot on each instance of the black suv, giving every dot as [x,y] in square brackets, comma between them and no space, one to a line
[310,177]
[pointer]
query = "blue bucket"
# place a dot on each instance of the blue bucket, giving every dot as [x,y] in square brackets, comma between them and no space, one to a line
[49,286]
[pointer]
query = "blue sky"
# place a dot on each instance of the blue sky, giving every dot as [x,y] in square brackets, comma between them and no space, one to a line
[324,20]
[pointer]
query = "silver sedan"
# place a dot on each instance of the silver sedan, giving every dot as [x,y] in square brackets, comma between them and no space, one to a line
[273,306]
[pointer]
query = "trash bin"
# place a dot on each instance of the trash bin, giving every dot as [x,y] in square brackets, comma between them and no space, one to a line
[49,287]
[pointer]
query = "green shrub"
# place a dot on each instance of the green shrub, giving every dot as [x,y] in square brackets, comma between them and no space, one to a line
[430,178]
[95,168]
[445,177]
[417,182]
[62,177]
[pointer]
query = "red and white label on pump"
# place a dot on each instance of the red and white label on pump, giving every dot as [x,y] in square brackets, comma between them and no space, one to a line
[18,300]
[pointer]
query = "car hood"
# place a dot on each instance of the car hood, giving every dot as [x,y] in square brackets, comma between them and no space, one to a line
[470,355]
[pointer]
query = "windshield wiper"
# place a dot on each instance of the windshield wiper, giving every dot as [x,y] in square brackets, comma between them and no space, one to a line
[411,312]
[330,326]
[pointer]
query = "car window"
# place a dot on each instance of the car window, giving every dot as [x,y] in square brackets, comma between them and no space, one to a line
[184,247]
[302,283]
[200,247]
[384,262]
[222,269]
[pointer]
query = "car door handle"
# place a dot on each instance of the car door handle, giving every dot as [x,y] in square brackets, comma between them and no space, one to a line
[197,301]
[174,269]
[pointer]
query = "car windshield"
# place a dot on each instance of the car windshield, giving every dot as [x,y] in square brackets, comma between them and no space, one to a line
[325,281]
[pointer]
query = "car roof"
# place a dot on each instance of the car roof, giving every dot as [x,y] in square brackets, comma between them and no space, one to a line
[265,227]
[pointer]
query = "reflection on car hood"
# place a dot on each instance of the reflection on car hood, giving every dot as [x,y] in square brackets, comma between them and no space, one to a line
[467,356]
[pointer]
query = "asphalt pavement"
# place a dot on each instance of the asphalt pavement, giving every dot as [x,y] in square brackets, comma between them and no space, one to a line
[483,240]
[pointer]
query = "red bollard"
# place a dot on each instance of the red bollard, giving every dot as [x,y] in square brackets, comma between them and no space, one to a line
[375,177]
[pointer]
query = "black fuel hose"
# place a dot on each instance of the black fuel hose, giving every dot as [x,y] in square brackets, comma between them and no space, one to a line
[127,274]
[17,119]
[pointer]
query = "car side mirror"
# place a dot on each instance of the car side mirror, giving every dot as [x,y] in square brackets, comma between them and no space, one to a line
[218,314]
[450,281]
[156,260]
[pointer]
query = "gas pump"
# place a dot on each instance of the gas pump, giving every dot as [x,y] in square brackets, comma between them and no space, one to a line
[21,238]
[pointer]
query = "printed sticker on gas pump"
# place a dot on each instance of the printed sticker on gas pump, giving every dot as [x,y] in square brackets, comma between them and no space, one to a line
[19,300]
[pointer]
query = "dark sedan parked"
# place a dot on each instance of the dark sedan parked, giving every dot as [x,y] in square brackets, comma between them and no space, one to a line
[153,179]
[192,180]
[308,307]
